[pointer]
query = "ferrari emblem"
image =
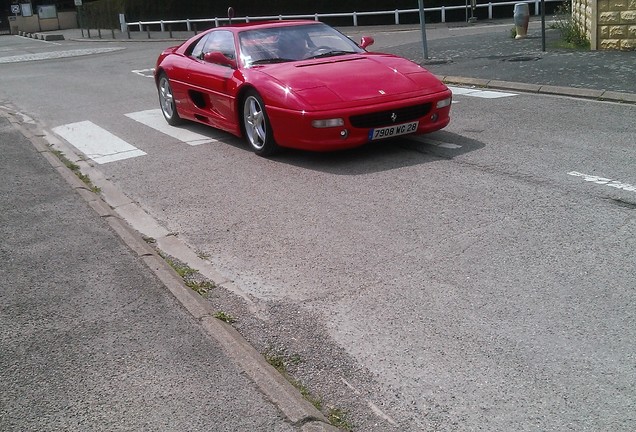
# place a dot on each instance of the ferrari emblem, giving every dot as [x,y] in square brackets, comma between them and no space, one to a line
[393,117]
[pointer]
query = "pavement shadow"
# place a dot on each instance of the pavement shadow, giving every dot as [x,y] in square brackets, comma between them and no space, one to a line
[383,155]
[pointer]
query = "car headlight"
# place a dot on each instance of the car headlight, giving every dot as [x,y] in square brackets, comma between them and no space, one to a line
[444,103]
[327,123]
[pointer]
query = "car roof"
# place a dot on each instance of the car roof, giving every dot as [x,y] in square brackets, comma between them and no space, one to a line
[239,27]
[268,24]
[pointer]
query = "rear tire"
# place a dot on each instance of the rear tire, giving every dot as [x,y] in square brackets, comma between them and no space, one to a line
[166,101]
[258,130]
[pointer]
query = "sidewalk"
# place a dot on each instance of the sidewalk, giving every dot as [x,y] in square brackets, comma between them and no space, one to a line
[486,55]
[98,333]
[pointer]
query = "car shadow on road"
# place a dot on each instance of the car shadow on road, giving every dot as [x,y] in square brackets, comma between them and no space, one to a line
[383,155]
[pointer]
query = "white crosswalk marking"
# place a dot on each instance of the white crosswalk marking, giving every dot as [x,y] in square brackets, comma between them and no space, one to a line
[485,94]
[102,146]
[146,73]
[154,119]
[97,143]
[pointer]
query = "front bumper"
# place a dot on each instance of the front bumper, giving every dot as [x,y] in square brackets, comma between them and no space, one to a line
[294,128]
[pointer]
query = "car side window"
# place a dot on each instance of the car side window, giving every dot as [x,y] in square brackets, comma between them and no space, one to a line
[220,41]
[197,51]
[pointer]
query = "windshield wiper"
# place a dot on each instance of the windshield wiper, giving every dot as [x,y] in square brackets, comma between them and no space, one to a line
[331,54]
[271,60]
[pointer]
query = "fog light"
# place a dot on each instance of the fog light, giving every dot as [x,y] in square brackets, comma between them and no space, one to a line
[327,123]
[344,133]
[434,117]
[444,103]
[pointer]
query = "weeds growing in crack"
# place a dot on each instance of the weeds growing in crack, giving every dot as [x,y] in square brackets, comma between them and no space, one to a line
[76,170]
[225,317]
[191,278]
[337,417]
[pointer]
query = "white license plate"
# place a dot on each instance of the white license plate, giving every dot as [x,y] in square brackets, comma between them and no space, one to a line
[391,131]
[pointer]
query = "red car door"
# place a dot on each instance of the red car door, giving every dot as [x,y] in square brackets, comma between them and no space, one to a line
[212,65]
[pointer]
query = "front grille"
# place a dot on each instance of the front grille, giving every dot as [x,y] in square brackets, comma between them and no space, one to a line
[389,117]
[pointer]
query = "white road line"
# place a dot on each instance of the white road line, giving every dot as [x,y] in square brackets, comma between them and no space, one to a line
[97,143]
[491,94]
[53,55]
[461,90]
[486,94]
[154,119]
[604,181]
[146,73]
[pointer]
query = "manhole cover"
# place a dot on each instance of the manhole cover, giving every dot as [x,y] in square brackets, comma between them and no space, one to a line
[521,59]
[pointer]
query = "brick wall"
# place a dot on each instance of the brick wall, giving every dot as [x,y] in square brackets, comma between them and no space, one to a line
[608,24]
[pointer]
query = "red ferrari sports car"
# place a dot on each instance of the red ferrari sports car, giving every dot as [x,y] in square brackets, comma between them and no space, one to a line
[299,84]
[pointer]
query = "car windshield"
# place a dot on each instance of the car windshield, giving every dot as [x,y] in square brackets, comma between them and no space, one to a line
[293,43]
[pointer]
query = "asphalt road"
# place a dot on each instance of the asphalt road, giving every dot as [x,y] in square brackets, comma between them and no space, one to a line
[91,339]
[479,278]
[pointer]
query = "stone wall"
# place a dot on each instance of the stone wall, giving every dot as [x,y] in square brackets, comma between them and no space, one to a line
[584,14]
[608,24]
[617,24]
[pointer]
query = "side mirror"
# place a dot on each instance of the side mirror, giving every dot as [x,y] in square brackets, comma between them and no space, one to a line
[366,41]
[219,58]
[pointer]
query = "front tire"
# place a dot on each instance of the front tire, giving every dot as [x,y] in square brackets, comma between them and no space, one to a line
[258,130]
[166,101]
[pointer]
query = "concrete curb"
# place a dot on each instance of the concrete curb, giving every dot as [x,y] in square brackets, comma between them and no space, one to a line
[600,95]
[271,383]
[174,41]
[42,36]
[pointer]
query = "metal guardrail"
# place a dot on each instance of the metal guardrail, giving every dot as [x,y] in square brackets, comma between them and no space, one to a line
[317,16]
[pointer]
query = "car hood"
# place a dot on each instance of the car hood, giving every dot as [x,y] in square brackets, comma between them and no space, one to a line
[353,78]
